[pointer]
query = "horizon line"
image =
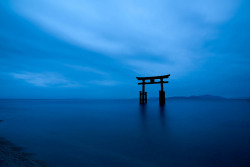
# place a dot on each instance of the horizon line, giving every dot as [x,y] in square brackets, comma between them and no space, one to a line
[134,98]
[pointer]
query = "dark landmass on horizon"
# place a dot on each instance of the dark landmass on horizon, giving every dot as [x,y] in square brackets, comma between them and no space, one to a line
[205,97]
[198,97]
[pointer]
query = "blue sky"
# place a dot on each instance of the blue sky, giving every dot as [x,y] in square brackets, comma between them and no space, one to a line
[95,49]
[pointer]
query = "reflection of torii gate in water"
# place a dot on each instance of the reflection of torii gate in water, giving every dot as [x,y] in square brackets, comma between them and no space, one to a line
[143,94]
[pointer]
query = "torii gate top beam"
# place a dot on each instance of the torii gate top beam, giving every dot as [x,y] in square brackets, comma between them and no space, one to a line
[152,80]
[154,77]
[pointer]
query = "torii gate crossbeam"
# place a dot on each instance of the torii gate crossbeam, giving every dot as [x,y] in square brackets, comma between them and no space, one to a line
[143,94]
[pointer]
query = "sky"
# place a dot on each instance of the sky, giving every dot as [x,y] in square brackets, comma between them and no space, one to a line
[96,49]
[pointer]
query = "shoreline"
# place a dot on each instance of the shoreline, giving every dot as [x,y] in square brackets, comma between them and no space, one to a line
[13,156]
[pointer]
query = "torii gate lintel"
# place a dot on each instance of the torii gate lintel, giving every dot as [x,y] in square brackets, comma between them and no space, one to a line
[143,94]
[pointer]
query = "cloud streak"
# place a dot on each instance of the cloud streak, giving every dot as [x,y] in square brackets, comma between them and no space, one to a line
[46,79]
[87,69]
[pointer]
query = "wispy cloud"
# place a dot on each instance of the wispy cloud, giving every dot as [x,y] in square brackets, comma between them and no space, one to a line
[104,78]
[87,69]
[44,79]
[104,82]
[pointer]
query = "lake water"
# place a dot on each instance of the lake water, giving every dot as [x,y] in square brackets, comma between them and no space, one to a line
[123,133]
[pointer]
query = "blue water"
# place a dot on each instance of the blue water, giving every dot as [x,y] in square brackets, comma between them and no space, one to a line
[117,133]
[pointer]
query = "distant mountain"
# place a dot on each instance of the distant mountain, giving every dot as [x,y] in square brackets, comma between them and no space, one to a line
[197,97]
[192,97]
[241,98]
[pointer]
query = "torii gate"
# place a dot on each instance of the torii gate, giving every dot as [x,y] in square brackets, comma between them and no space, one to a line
[143,94]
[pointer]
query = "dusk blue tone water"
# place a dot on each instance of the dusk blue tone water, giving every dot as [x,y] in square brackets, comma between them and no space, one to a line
[94,133]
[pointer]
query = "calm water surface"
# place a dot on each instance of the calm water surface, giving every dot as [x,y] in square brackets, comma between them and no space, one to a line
[117,133]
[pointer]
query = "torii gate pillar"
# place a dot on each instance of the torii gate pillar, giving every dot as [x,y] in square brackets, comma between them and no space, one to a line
[162,94]
[143,94]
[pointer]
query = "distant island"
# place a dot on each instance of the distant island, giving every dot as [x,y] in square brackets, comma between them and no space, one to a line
[197,97]
[202,97]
